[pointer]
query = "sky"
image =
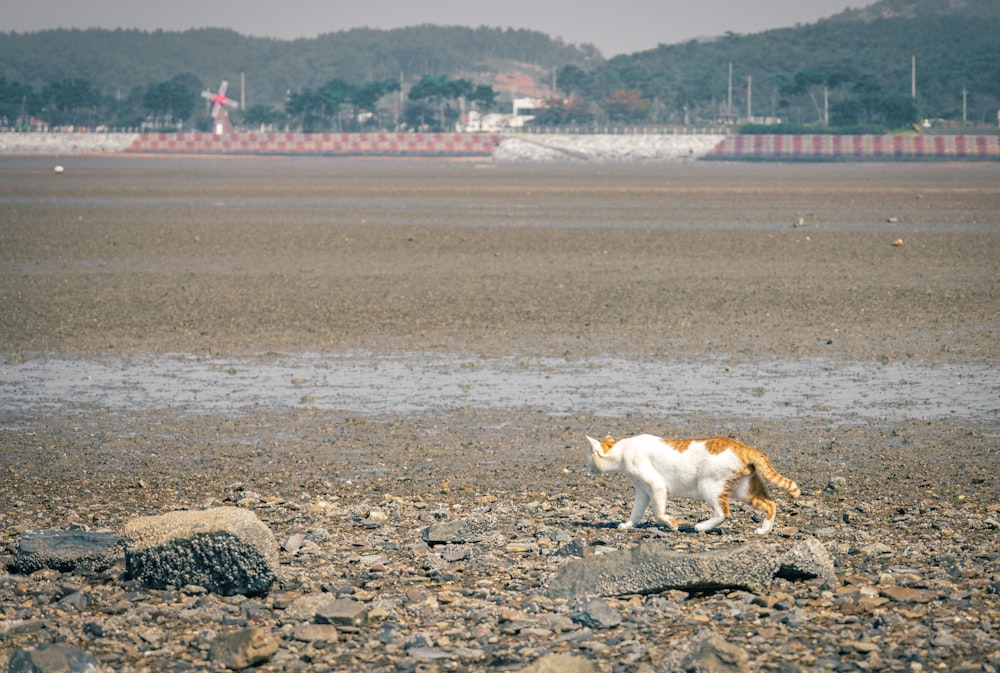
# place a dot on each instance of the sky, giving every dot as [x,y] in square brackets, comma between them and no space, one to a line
[615,26]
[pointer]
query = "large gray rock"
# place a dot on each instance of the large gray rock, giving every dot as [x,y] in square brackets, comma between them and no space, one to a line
[66,551]
[227,550]
[652,568]
[473,528]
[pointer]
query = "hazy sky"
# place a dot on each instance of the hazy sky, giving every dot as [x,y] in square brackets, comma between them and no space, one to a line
[615,27]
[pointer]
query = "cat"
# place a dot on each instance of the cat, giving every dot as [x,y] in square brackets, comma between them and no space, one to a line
[712,470]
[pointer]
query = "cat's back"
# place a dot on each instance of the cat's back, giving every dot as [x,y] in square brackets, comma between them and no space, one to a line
[664,452]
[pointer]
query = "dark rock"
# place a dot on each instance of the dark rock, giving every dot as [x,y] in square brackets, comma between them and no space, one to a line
[653,568]
[48,658]
[470,529]
[242,649]
[342,612]
[226,550]
[597,614]
[324,608]
[574,548]
[66,551]
[706,652]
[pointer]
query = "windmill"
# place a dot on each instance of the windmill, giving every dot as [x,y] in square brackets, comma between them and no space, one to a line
[220,109]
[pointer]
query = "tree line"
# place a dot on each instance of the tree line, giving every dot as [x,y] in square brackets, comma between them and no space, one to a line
[836,73]
[432,104]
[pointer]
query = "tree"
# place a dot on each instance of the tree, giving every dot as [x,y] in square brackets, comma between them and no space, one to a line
[16,100]
[309,108]
[174,99]
[365,98]
[429,99]
[258,116]
[565,112]
[626,106]
[71,101]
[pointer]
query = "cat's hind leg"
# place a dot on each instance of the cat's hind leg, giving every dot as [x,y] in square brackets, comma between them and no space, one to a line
[758,497]
[720,510]
[638,507]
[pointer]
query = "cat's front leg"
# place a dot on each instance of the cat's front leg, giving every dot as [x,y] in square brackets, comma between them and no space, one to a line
[660,509]
[638,509]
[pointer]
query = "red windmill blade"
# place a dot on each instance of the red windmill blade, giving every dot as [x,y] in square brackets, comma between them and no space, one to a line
[220,105]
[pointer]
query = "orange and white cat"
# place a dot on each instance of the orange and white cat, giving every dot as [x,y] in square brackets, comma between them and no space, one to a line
[713,470]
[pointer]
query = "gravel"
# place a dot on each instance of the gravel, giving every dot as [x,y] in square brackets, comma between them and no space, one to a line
[119,257]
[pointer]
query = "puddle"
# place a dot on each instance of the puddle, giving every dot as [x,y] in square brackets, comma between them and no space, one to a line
[426,382]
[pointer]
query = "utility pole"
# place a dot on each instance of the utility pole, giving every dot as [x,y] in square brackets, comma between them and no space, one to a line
[749,99]
[243,90]
[729,99]
[826,106]
[965,94]
[913,77]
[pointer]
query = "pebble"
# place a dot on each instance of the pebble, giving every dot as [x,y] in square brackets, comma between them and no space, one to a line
[384,599]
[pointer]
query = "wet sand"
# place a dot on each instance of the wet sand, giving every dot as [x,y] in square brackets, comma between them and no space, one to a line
[722,265]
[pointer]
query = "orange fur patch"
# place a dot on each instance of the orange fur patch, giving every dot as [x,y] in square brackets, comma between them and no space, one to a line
[608,442]
[678,445]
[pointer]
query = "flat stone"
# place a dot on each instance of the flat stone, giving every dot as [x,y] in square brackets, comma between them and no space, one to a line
[706,652]
[48,658]
[469,529]
[17,627]
[66,551]
[907,595]
[244,648]
[316,633]
[342,612]
[560,663]
[597,614]
[428,653]
[227,550]
[653,568]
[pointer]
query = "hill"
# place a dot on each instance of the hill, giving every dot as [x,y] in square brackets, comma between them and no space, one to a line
[119,61]
[854,67]
[854,70]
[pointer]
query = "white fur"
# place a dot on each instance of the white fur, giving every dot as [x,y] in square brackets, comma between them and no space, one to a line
[658,472]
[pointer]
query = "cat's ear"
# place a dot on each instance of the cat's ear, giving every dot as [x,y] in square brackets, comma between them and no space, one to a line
[594,444]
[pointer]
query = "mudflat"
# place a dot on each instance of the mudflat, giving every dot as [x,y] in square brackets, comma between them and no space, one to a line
[516,270]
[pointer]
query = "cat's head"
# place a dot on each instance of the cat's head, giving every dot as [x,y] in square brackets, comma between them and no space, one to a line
[601,458]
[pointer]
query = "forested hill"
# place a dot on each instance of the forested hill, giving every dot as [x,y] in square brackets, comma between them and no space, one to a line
[853,70]
[855,67]
[116,62]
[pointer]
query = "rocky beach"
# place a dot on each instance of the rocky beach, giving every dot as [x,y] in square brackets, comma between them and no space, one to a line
[391,367]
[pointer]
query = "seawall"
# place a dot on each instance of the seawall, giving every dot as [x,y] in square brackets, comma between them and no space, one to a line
[818,147]
[322,144]
[523,147]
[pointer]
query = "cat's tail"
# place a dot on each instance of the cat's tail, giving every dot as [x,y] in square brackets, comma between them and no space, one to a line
[764,468]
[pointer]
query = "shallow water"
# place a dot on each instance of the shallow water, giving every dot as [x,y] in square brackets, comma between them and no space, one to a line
[806,389]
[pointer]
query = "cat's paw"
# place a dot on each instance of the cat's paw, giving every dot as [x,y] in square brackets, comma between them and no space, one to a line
[670,522]
[625,524]
[707,525]
[765,527]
